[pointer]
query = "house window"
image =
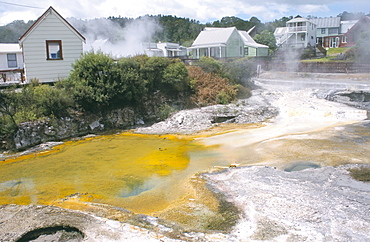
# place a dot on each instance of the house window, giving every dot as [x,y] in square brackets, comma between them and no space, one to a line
[333,31]
[303,37]
[12,60]
[54,50]
[322,31]
[246,51]
[344,39]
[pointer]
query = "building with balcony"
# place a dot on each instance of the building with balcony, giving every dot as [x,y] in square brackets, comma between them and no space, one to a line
[298,33]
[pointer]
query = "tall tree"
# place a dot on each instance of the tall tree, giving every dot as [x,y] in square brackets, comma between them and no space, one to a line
[266,38]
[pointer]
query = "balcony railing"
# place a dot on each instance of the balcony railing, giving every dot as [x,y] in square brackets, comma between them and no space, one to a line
[297,29]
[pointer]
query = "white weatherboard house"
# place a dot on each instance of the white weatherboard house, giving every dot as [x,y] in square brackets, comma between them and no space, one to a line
[11,62]
[298,33]
[50,46]
[226,43]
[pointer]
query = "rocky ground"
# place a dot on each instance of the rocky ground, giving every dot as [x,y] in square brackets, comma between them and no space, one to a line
[253,110]
[323,204]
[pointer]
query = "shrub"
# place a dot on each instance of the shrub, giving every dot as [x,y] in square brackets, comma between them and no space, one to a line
[210,88]
[153,71]
[175,77]
[90,81]
[210,65]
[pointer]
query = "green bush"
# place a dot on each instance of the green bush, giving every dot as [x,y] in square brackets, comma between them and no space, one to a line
[98,83]
[175,77]
[30,103]
[92,81]
[210,65]
[153,71]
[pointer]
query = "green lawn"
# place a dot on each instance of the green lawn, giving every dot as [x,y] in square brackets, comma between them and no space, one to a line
[330,54]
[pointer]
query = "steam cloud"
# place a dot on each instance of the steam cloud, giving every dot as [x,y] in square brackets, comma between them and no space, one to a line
[110,38]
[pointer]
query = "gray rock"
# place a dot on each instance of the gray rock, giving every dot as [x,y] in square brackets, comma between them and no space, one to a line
[323,204]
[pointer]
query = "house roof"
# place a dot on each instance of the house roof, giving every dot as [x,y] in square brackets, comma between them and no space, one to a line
[346,25]
[280,31]
[249,41]
[50,10]
[364,21]
[299,19]
[213,36]
[332,22]
[10,48]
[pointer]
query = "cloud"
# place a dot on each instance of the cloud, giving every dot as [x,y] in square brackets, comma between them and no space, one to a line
[202,10]
[8,17]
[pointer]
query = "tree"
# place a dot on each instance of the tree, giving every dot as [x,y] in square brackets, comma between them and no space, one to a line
[11,32]
[94,81]
[266,38]
[350,16]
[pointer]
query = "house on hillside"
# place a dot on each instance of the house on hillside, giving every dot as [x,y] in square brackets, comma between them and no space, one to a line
[354,33]
[298,33]
[225,43]
[50,46]
[11,63]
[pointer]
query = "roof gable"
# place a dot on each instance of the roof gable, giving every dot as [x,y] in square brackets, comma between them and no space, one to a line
[48,12]
[211,36]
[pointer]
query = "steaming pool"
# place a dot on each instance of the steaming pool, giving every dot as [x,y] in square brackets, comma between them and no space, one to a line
[150,174]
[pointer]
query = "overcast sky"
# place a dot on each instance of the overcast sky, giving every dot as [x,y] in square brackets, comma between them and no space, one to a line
[202,10]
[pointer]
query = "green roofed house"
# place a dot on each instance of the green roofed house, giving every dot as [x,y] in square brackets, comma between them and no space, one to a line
[50,47]
[225,43]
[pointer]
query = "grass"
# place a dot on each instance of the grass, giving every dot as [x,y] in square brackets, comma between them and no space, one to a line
[330,54]
[360,174]
[336,51]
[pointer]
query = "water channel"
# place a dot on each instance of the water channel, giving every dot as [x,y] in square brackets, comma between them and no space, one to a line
[150,174]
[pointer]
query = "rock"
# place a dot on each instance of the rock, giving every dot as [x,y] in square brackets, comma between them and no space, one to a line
[252,110]
[47,223]
[323,204]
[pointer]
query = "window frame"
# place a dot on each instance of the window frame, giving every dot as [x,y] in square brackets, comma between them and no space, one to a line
[48,54]
[12,61]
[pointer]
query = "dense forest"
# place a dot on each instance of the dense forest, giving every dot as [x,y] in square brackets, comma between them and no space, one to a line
[167,28]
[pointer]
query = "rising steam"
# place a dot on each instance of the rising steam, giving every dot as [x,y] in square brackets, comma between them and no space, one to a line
[110,38]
